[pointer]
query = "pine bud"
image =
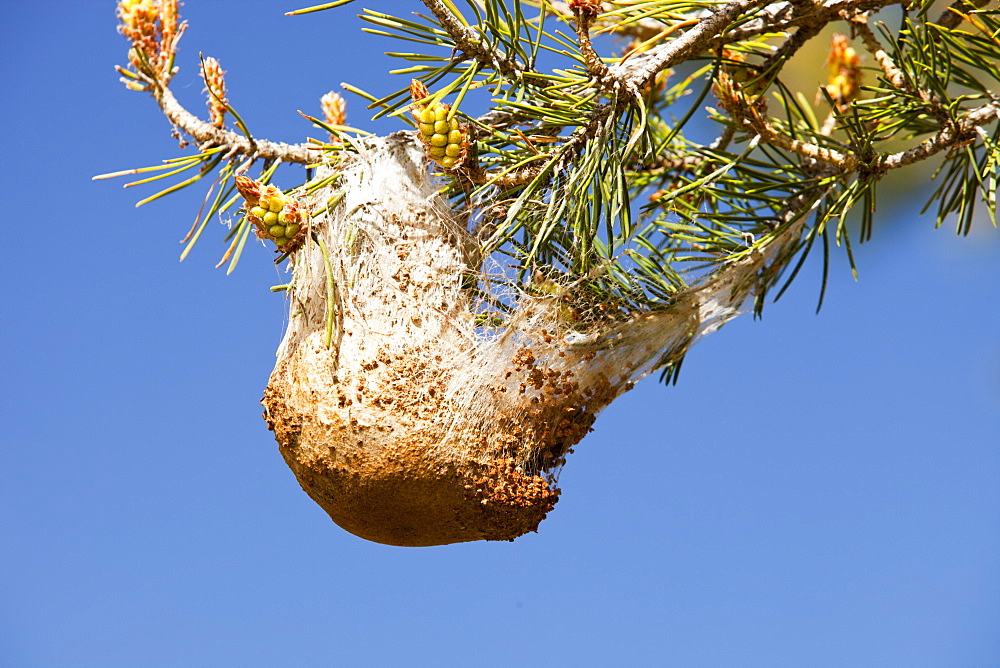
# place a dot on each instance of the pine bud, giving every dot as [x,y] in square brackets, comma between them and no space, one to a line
[249,189]
[137,16]
[215,86]
[153,28]
[844,71]
[334,110]
[589,9]
[739,85]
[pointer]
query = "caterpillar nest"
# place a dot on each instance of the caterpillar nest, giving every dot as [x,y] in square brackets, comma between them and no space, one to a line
[403,414]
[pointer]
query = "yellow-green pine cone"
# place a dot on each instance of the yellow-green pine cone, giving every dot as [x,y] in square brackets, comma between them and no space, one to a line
[443,137]
[274,215]
[455,147]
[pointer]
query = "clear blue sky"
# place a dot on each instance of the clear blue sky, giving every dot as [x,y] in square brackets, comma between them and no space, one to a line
[817,490]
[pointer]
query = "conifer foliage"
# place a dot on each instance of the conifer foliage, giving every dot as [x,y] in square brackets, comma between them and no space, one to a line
[548,227]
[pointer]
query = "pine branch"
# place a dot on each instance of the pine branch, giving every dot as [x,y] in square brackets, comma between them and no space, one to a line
[207,135]
[469,41]
[583,16]
[779,17]
[711,33]
[950,136]
[952,17]
[585,126]
[892,73]
[640,71]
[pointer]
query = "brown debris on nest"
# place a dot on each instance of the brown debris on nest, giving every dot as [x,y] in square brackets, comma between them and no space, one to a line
[368,450]
[394,455]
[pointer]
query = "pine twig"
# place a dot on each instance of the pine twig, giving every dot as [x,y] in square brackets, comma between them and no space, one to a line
[584,13]
[206,134]
[952,17]
[781,17]
[950,136]
[469,42]
[641,70]
[892,73]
